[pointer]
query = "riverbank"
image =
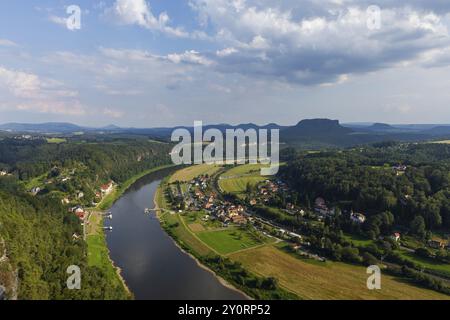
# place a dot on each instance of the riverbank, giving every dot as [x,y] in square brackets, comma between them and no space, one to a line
[158,201]
[99,255]
[229,272]
[98,252]
[109,199]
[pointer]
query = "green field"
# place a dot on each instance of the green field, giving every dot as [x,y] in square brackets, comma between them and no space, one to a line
[326,281]
[56,140]
[190,173]
[174,224]
[236,179]
[228,240]
[357,240]
[426,263]
[238,186]
[442,142]
[247,169]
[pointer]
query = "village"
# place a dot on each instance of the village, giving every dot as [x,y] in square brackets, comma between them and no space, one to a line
[201,195]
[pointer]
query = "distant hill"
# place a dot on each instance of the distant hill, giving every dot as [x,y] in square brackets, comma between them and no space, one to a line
[381,127]
[51,127]
[311,133]
[317,132]
[438,131]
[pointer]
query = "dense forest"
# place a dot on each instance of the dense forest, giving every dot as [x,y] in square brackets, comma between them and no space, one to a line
[403,193]
[37,231]
[366,180]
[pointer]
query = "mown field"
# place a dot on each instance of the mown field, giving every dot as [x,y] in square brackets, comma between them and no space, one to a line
[247,169]
[326,280]
[190,173]
[238,186]
[229,240]
[235,180]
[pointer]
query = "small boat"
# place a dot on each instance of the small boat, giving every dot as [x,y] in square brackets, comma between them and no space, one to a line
[108,228]
[110,216]
[147,210]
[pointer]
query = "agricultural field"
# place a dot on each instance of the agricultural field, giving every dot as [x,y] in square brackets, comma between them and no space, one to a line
[229,240]
[247,169]
[328,280]
[238,186]
[187,174]
[236,179]
[196,223]
[442,142]
[179,231]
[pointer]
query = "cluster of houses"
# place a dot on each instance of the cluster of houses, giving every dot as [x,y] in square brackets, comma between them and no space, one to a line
[267,190]
[321,208]
[105,189]
[223,211]
[200,198]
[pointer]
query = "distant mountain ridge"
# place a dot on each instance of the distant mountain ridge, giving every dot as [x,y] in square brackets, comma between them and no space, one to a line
[309,133]
[49,127]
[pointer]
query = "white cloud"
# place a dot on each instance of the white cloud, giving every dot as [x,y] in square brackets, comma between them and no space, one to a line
[138,12]
[226,52]
[7,43]
[191,56]
[32,93]
[312,42]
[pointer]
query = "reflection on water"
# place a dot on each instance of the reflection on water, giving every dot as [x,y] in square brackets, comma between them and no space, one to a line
[152,265]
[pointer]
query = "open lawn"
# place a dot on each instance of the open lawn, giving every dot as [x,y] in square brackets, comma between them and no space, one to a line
[239,185]
[246,169]
[229,240]
[179,230]
[236,179]
[327,281]
[442,142]
[358,240]
[190,173]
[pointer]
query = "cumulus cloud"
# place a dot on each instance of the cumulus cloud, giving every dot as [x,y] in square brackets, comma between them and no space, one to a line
[138,12]
[33,93]
[312,42]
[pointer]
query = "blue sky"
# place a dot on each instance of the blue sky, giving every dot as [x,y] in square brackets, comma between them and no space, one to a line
[159,63]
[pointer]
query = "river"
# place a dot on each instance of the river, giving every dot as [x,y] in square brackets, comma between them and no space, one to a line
[153,267]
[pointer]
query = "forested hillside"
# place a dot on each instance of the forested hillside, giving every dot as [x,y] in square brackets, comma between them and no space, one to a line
[409,181]
[38,231]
